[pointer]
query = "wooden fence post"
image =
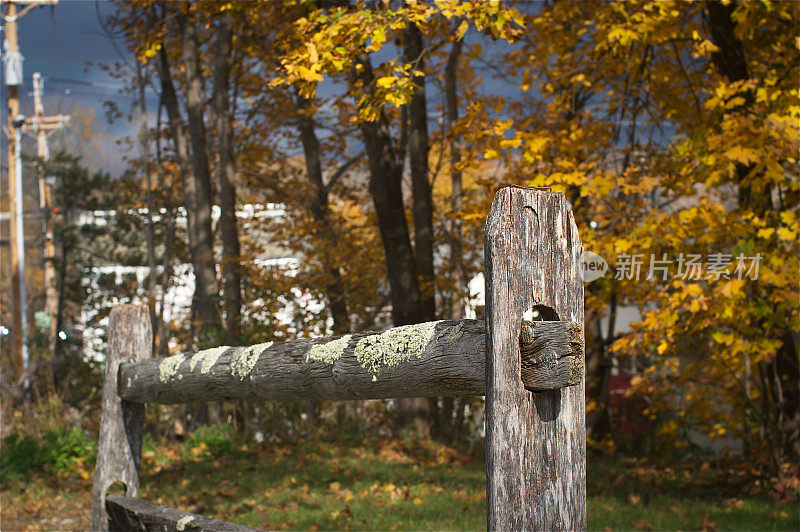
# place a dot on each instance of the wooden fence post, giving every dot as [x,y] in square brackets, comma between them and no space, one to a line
[535,441]
[130,338]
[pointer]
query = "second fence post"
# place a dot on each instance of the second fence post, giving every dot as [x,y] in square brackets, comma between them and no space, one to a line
[119,451]
[535,441]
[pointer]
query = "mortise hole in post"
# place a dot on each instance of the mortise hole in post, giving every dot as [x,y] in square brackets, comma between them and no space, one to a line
[535,313]
[540,313]
[117,488]
[542,362]
[547,403]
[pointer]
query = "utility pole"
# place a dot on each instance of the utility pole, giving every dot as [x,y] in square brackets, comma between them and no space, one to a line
[38,111]
[12,60]
[40,125]
[13,73]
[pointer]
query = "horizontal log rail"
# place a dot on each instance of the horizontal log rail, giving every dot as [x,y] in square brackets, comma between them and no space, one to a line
[130,513]
[434,359]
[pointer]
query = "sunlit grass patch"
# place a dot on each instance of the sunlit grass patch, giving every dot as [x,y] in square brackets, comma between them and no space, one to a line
[360,484]
[389,484]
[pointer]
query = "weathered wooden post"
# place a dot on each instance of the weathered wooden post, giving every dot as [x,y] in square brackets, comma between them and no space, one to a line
[119,452]
[535,440]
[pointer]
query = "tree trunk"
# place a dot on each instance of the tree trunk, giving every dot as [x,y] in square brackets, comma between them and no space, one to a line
[319,209]
[461,404]
[387,196]
[730,61]
[422,208]
[205,272]
[597,373]
[170,100]
[446,419]
[420,183]
[385,186]
[144,144]
[166,276]
[226,180]
[457,193]
[169,244]
[601,425]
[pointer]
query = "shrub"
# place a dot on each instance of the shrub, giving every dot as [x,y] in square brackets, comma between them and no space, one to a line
[64,449]
[19,455]
[58,451]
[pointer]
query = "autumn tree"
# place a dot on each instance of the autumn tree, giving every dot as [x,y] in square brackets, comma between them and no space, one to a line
[672,127]
[204,140]
[226,174]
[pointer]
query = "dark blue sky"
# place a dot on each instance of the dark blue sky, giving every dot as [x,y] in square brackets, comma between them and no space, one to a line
[59,40]
[67,44]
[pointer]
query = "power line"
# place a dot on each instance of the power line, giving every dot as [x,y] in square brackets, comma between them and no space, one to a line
[105,85]
[100,84]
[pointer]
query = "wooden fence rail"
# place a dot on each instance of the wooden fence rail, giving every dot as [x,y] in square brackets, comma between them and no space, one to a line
[531,373]
[435,359]
[130,513]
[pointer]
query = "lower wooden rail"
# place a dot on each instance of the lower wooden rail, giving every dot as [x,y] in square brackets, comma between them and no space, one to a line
[129,513]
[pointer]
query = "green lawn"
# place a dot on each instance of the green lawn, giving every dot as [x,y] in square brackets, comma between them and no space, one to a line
[383,484]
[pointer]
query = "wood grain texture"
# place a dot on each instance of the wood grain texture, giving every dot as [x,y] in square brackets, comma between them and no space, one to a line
[535,441]
[551,354]
[119,450]
[128,514]
[448,363]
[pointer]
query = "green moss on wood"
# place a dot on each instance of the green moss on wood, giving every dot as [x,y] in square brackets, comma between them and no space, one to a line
[329,352]
[454,334]
[183,521]
[206,358]
[168,368]
[393,347]
[244,362]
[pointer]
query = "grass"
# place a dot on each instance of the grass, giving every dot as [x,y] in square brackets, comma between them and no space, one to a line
[353,485]
[389,484]
[628,494]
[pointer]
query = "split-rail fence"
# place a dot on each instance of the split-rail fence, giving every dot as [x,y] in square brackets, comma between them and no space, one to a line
[530,371]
